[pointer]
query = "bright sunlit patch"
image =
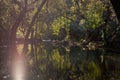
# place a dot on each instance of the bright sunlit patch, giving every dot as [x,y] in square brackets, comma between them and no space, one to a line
[18,68]
[20,48]
[18,73]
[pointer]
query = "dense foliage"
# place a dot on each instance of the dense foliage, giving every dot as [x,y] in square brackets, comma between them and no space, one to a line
[75,20]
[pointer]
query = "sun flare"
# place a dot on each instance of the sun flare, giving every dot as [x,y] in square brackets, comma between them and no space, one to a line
[18,69]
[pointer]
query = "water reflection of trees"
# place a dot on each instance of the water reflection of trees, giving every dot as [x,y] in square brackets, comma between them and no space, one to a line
[58,63]
[47,62]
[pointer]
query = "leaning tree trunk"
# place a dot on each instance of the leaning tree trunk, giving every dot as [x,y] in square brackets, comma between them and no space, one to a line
[16,25]
[12,37]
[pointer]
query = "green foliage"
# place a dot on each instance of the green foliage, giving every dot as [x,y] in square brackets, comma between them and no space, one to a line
[58,23]
[94,13]
[76,16]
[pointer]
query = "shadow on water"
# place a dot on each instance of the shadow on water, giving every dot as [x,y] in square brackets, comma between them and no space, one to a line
[48,62]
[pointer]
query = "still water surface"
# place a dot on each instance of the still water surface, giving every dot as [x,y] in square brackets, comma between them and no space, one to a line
[47,62]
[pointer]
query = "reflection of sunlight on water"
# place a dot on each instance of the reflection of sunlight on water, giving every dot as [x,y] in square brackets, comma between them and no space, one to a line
[18,68]
[18,64]
[18,71]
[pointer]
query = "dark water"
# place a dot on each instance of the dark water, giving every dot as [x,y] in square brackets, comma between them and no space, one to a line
[47,62]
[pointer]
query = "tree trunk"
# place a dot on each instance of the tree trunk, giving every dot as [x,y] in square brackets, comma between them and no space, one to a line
[16,25]
[12,36]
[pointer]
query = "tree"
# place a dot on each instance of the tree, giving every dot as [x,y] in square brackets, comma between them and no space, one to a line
[32,23]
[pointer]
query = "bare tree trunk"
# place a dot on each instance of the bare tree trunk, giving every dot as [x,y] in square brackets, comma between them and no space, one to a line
[12,36]
[16,25]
